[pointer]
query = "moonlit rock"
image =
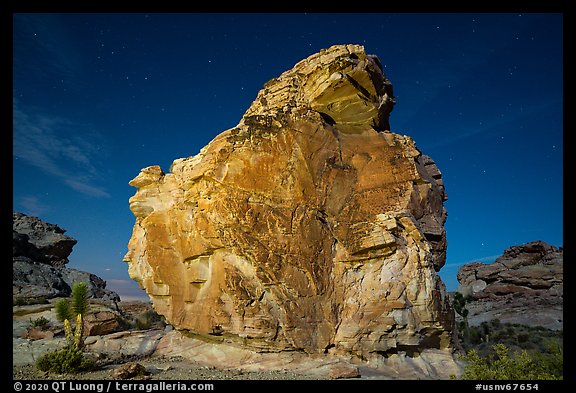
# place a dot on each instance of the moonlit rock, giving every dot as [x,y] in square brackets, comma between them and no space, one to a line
[309,226]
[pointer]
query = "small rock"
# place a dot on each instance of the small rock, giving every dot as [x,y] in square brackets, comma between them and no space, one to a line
[90,340]
[129,370]
[343,370]
[37,334]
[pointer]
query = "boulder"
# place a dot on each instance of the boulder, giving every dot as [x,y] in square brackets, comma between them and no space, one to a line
[41,241]
[431,364]
[116,347]
[309,226]
[100,323]
[343,370]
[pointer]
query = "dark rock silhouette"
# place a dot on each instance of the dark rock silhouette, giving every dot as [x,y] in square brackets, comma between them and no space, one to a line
[40,251]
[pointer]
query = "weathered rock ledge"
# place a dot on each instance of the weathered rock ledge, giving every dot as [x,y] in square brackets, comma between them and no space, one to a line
[525,285]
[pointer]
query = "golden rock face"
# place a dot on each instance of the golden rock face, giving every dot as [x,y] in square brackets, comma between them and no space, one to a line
[308,226]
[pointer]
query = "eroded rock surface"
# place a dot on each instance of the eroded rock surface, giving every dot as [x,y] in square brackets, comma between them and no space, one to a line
[525,285]
[40,252]
[40,241]
[307,226]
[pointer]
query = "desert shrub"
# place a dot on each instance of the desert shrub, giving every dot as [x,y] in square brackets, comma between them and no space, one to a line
[474,336]
[485,327]
[65,360]
[501,335]
[502,365]
[24,301]
[71,358]
[522,337]
[551,360]
[40,322]
[142,324]
[149,318]
[514,336]
[124,323]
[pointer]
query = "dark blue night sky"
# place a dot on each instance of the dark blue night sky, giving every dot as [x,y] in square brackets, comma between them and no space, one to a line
[97,97]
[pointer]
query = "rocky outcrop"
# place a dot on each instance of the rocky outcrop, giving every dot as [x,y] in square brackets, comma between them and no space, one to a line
[40,251]
[40,241]
[524,285]
[431,364]
[308,226]
[33,281]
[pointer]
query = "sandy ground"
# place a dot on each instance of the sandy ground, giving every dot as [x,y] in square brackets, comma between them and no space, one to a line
[159,369]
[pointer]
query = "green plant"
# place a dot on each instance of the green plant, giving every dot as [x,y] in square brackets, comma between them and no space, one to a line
[79,298]
[551,361]
[147,319]
[460,308]
[522,337]
[40,322]
[503,365]
[143,324]
[65,360]
[74,339]
[63,311]
[460,305]
[71,358]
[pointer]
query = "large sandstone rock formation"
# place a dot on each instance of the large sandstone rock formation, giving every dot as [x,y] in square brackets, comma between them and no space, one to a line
[524,285]
[307,226]
[40,252]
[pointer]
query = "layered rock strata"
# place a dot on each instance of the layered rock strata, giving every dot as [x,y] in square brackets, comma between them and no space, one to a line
[308,226]
[524,285]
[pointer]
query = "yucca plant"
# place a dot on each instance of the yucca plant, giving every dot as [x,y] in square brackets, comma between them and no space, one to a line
[65,310]
[79,298]
[70,359]
[74,339]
